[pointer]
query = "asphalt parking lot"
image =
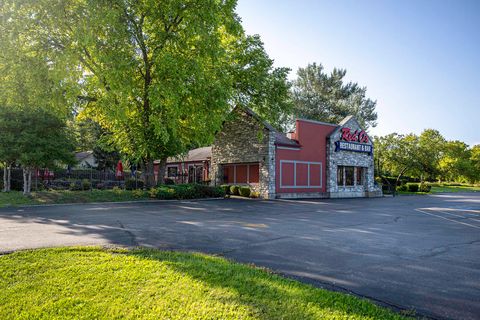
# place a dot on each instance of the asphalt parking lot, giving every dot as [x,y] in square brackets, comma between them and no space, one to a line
[412,252]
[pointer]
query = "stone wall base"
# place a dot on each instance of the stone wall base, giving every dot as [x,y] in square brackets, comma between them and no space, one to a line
[303,195]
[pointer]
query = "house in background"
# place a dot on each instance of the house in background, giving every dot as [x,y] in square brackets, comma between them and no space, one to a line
[86,159]
[194,167]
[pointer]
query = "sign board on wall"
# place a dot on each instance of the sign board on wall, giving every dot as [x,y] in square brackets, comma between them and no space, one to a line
[353,141]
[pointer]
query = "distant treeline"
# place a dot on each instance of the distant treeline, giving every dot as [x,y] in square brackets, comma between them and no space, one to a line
[426,157]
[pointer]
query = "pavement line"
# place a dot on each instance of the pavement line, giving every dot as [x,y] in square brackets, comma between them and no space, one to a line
[456,215]
[459,222]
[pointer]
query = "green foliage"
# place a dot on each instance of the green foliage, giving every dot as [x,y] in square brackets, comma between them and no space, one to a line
[424,187]
[157,284]
[226,188]
[412,187]
[186,191]
[426,157]
[402,187]
[326,97]
[40,138]
[132,184]
[234,190]
[244,191]
[158,77]
[86,184]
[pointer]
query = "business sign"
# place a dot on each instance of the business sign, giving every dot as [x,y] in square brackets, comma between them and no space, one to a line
[356,141]
[356,136]
[353,146]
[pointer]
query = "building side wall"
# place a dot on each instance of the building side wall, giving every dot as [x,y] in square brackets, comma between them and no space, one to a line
[349,158]
[304,166]
[244,139]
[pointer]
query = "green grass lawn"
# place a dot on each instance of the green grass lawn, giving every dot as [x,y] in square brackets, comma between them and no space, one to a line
[16,198]
[455,189]
[94,283]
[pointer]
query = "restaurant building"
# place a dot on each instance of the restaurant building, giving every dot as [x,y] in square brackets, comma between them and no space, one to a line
[317,160]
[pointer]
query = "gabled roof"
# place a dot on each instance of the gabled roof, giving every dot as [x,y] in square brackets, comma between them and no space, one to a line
[280,138]
[198,154]
[342,123]
[79,156]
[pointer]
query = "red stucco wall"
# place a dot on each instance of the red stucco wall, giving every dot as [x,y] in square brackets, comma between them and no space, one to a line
[308,159]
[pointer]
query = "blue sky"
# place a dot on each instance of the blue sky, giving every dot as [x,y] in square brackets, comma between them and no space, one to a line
[419,59]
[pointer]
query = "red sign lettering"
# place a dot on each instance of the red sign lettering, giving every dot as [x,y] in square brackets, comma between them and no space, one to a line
[356,136]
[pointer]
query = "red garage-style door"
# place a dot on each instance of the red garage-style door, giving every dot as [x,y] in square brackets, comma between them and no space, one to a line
[241,173]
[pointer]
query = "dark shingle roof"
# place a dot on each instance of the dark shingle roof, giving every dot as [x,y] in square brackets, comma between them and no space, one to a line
[199,154]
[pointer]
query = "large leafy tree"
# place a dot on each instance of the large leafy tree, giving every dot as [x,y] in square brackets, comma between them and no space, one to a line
[455,163]
[9,148]
[38,138]
[30,73]
[431,146]
[396,155]
[318,95]
[160,76]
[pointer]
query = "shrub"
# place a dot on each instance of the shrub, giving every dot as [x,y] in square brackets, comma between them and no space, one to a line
[187,191]
[424,187]
[153,192]
[244,191]
[16,185]
[117,190]
[168,182]
[131,184]
[412,187]
[86,185]
[225,188]
[234,190]
[74,186]
[138,193]
[255,194]
[402,187]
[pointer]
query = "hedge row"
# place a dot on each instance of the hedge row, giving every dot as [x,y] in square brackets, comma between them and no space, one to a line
[415,187]
[244,191]
[186,191]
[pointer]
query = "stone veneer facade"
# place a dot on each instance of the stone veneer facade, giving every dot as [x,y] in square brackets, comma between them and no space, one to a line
[244,138]
[353,159]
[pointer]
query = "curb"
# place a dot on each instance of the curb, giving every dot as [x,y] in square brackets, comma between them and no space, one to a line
[110,202]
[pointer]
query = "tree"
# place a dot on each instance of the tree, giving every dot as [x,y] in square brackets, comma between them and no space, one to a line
[431,146]
[396,155]
[475,162]
[30,73]
[159,76]
[455,163]
[91,136]
[39,140]
[9,149]
[326,97]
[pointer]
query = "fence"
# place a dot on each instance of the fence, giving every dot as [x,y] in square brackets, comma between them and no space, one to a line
[78,179]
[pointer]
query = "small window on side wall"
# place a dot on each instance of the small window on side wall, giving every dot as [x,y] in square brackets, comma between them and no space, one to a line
[172,171]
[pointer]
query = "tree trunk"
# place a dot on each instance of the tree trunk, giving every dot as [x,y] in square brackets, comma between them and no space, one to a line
[9,178]
[161,170]
[27,181]
[149,174]
[5,178]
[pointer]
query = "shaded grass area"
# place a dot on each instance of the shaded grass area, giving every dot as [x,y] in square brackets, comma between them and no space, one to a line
[16,198]
[94,283]
[436,189]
